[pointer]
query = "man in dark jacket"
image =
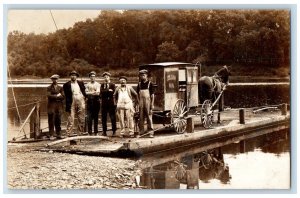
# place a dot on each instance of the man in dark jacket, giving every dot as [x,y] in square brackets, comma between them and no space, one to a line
[55,96]
[107,103]
[75,103]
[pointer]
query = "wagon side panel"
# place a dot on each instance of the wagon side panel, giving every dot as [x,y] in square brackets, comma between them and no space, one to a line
[170,88]
[192,87]
[158,81]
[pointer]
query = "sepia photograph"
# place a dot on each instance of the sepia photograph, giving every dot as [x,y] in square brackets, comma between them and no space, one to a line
[140,99]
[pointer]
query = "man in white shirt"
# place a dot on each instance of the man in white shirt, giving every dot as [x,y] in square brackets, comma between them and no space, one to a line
[75,103]
[124,98]
[92,90]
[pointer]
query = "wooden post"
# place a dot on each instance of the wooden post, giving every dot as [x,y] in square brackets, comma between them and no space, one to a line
[221,103]
[284,109]
[242,116]
[192,172]
[190,125]
[73,142]
[37,123]
[145,179]
[32,126]
[242,146]
[219,118]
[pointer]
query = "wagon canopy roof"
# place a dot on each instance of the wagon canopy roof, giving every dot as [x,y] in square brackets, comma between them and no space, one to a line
[166,64]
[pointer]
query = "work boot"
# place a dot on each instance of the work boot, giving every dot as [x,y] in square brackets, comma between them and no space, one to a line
[72,135]
[52,137]
[131,134]
[151,134]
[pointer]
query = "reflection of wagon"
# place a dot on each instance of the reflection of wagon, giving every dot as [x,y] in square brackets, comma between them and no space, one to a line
[176,94]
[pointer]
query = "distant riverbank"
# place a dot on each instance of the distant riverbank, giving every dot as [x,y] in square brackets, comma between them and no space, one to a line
[131,80]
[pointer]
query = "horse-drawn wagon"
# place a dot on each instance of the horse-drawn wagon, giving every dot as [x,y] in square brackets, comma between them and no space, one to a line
[178,92]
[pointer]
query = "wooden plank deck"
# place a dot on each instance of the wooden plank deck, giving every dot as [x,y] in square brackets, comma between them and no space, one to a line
[256,124]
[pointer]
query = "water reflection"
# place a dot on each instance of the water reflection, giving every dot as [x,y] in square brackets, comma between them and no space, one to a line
[170,175]
[212,166]
[264,163]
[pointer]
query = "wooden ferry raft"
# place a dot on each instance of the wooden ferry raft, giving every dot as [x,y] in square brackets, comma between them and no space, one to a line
[231,129]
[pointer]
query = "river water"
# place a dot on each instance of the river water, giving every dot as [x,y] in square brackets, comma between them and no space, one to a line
[264,164]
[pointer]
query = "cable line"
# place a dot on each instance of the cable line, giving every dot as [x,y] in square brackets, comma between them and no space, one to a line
[53,20]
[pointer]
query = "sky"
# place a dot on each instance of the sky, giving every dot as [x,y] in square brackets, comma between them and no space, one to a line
[40,21]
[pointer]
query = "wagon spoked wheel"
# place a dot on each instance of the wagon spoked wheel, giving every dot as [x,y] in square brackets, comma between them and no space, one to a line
[207,114]
[179,116]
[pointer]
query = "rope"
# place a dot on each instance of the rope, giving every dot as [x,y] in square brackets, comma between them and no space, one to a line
[25,105]
[258,107]
[15,101]
[19,116]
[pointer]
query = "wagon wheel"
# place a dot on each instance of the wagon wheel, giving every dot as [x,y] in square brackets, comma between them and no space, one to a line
[178,116]
[207,114]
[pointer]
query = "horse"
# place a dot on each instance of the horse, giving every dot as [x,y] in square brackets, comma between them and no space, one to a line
[209,87]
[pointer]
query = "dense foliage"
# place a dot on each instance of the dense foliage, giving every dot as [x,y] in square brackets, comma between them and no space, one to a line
[130,38]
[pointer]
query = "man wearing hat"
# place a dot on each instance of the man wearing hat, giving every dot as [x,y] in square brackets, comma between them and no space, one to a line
[92,90]
[124,98]
[107,103]
[75,103]
[55,96]
[146,102]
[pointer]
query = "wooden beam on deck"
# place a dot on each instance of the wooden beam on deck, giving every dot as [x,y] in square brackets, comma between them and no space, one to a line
[78,138]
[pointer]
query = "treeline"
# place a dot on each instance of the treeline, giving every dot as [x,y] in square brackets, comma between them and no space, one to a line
[127,39]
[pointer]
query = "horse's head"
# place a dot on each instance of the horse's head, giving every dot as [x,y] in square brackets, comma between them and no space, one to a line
[224,73]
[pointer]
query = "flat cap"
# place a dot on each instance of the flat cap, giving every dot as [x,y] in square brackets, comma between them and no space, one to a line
[92,73]
[122,77]
[74,72]
[143,71]
[106,73]
[54,76]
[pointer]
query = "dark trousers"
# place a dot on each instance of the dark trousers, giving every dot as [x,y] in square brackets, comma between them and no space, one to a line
[54,120]
[93,107]
[111,110]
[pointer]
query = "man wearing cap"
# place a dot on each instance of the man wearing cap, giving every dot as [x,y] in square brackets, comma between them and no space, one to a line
[75,103]
[107,103]
[146,102]
[124,98]
[55,96]
[92,90]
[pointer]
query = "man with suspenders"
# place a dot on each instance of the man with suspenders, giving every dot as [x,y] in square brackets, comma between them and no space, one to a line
[145,92]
